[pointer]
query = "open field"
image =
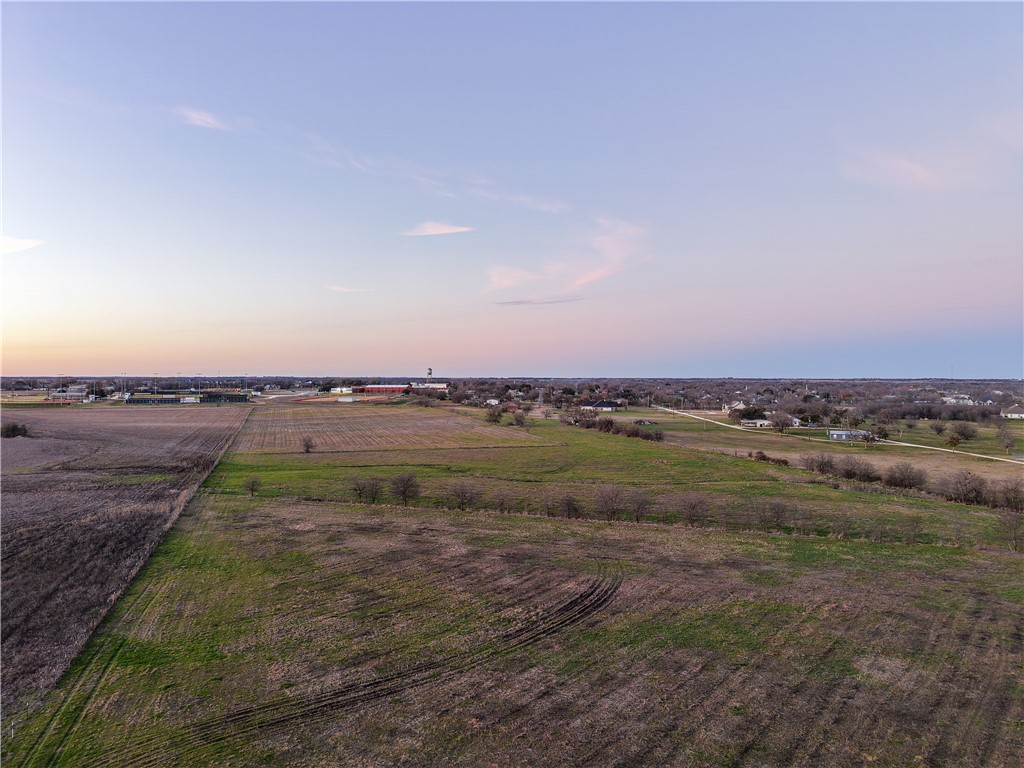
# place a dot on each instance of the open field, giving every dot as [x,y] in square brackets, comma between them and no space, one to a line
[86,497]
[359,427]
[299,628]
[692,433]
[284,633]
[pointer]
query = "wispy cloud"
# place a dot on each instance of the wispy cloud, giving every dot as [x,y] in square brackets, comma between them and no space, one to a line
[615,246]
[889,169]
[545,204]
[509,277]
[344,289]
[15,244]
[200,118]
[428,228]
[977,155]
[540,302]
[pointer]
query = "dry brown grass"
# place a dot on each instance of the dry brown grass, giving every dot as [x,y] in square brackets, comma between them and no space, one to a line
[86,498]
[280,428]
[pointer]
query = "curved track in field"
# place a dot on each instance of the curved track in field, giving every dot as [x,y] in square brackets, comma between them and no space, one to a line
[209,733]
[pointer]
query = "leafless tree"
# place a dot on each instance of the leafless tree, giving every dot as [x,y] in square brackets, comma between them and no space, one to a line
[1011,528]
[569,506]
[1006,438]
[308,444]
[781,421]
[406,487]
[954,440]
[911,527]
[494,414]
[368,489]
[639,503]
[608,502]
[464,494]
[519,419]
[1011,495]
[937,427]
[694,508]
[502,501]
[964,430]
[252,484]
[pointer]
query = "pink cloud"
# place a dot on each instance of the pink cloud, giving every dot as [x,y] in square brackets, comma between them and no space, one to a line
[508,277]
[428,228]
[200,118]
[617,244]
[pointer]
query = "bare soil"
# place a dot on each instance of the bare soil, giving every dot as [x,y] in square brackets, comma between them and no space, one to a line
[86,498]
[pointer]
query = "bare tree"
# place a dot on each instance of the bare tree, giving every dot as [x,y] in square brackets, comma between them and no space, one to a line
[1006,438]
[937,427]
[569,506]
[965,431]
[502,501]
[252,484]
[308,444]
[464,494]
[608,502]
[694,508]
[954,440]
[639,503]
[494,414]
[911,528]
[519,419]
[406,487]
[1011,495]
[368,489]
[781,421]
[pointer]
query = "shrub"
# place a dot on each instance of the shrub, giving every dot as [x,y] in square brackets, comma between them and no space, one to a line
[657,435]
[937,427]
[903,474]
[821,462]
[308,444]
[13,429]
[493,415]
[519,419]
[965,431]
[855,468]
[1011,495]
[605,424]
[966,488]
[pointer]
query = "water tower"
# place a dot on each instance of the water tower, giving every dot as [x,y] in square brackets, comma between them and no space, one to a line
[430,374]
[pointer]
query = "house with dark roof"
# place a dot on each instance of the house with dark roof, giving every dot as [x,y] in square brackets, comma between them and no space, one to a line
[1013,412]
[600,405]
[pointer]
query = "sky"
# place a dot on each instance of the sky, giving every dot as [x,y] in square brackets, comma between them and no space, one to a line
[496,189]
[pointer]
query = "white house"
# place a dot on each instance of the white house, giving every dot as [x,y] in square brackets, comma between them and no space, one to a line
[1013,412]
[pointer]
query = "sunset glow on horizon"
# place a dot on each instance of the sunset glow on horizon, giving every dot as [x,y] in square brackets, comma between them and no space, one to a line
[671,190]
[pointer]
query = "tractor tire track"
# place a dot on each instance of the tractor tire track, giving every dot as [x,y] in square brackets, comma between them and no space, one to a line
[214,731]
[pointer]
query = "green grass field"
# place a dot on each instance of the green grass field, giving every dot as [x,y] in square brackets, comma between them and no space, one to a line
[299,628]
